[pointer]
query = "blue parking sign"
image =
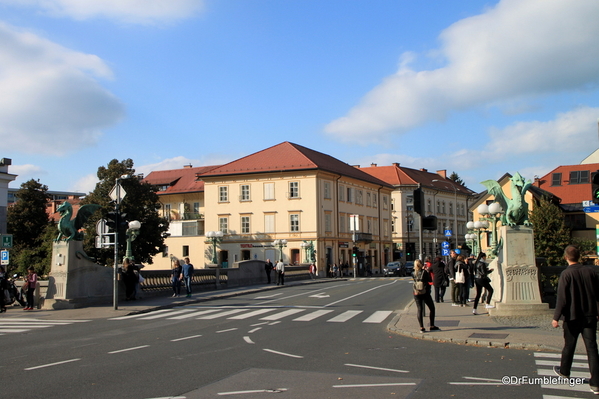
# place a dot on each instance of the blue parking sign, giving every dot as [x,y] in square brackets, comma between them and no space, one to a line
[4,257]
[445,252]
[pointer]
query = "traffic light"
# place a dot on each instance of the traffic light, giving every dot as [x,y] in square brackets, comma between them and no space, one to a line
[595,187]
[116,220]
[429,223]
[419,201]
[354,252]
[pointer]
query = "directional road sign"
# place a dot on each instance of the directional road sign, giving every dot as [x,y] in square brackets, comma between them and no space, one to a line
[445,245]
[4,257]
[6,241]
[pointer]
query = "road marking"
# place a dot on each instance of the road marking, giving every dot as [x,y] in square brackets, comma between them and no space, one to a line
[277,390]
[574,374]
[134,316]
[221,314]
[390,384]
[321,295]
[376,368]
[128,349]
[230,329]
[51,364]
[313,315]
[268,296]
[251,314]
[193,314]
[184,338]
[360,293]
[345,316]
[558,355]
[48,321]
[158,316]
[283,353]
[378,316]
[248,340]
[557,363]
[280,315]
[254,330]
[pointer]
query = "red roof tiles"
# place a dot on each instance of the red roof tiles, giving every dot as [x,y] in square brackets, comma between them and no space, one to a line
[178,180]
[569,193]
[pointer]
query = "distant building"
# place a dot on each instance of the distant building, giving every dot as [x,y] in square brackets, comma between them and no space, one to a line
[5,179]
[56,198]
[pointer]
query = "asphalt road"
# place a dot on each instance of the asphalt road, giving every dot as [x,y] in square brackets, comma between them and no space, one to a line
[328,341]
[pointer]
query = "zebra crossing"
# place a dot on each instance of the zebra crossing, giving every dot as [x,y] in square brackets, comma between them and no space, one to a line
[263,314]
[580,369]
[22,325]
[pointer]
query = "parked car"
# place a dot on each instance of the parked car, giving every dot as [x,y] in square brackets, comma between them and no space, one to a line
[409,268]
[394,269]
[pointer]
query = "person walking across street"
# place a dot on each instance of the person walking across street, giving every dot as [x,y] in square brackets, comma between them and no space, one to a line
[176,273]
[280,268]
[312,271]
[577,301]
[482,281]
[268,269]
[188,276]
[422,295]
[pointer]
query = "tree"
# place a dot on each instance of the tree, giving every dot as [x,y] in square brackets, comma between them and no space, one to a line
[140,203]
[28,222]
[550,232]
[456,178]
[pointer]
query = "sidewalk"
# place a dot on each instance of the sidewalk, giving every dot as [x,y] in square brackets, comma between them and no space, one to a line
[459,326]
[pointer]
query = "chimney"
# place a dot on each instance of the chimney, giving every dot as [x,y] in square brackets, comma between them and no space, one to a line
[423,170]
[373,165]
[442,173]
[396,164]
[356,166]
[187,166]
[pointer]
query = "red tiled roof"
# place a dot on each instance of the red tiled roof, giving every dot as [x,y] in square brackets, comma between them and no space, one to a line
[288,156]
[569,193]
[182,180]
[399,175]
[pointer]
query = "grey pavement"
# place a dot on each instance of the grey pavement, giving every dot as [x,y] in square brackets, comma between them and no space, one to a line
[458,325]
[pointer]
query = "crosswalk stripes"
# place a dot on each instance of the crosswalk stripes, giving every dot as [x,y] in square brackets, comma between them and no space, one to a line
[263,314]
[580,369]
[21,325]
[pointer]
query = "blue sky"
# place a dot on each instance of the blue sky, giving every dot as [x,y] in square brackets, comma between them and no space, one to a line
[480,88]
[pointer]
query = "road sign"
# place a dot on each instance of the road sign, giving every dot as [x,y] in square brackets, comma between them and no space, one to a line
[4,257]
[117,193]
[445,252]
[6,241]
[445,245]
[447,233]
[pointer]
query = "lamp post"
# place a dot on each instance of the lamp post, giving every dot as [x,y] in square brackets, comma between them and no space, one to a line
[491,213]
[281,244]
[132,233]
[117,194]
[215,237]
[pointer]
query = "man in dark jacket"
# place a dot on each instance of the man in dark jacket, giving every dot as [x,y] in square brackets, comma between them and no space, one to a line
[454,289]
[577,300]
[268,268]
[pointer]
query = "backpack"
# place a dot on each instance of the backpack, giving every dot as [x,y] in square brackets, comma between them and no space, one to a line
[419,287]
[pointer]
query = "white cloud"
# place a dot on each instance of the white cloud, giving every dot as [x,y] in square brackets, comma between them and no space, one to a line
[86,184]
[129,11]
[51,100]
[166,164]
[516,49]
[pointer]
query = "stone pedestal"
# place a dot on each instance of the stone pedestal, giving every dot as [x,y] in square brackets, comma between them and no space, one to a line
[516,277]
[75,281]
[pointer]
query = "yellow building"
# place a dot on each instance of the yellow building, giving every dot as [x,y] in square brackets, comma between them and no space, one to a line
[307,198]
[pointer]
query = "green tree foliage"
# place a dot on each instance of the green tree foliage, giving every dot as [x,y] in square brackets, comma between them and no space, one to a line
[588,249]
[29,224]
[140,203]
[456,178]
[550,232]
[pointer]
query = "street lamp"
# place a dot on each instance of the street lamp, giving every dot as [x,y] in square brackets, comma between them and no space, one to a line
[132,233]
[491,213]
[117,194]
[215,237]
[281,244]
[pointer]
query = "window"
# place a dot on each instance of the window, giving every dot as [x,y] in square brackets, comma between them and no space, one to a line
[196,208]
[359,197]
[438,207]
[429,206]
[269,223]
[375,200]
[185,250]
[556,179]
[294,189]
[327,190]
[223,224]
[385,202]
[245,192]
[223,194]
[294,222]
[341,193]
[350,194]
[167,211]
[245,225]
[369,226]
[327,222]
[368,199]
[451,208]
[579,176]
[443,207]
[342,223]
[269,191]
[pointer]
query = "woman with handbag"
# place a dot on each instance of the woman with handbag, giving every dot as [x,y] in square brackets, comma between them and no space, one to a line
[482,280]
[460,279]
[422,295]
[30,284]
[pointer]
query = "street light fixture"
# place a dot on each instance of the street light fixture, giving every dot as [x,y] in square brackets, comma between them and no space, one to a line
[493,214]
[132,233]
[281,244]
[119,194]
[215,237]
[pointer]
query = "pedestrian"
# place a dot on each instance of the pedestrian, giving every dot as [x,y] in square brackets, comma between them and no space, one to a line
[577,298]
[3,290]
[130,278]
[439,278]
[482,281]
[312,271]
[335,270]
[453,289]
[469,284]
[280,269]
[188,276]
[31,284]
[267,269]
[422,295]
[460,279]
[176,274]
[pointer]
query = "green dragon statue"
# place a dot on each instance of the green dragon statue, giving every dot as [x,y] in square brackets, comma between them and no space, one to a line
[68,229]
[516,209]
